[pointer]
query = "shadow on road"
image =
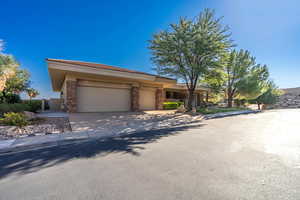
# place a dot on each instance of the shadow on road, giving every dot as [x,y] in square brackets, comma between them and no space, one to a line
[36,159]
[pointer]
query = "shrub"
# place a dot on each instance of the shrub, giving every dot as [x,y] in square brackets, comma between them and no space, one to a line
[171,105]
[34,105]
[15,119]
[16,107]
[11,98]
[240,102]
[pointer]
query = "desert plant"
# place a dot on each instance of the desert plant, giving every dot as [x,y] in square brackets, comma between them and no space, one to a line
[15,119]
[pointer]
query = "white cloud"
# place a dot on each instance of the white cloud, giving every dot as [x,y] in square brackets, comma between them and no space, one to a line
[1,45]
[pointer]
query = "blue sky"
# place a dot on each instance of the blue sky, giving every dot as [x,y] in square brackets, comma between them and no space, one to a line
[116,32]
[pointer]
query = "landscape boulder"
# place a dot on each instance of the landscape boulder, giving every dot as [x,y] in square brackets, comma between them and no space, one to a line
[30,115]
[181,109]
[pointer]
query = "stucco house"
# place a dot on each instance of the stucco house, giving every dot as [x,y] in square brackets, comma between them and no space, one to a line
[92,87]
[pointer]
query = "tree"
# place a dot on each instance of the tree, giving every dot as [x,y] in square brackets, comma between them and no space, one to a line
[32,93]
[8,67]
[270,96]
[190,49]
[13,80]
[238,76]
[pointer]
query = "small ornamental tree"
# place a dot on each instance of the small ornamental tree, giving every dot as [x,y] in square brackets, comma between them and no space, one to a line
[270,96]
[190,49]
[32,93]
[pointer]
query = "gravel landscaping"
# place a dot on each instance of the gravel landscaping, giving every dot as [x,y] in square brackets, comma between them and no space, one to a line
[40,126]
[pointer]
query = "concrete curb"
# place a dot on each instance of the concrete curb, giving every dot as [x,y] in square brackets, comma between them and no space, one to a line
[229,114]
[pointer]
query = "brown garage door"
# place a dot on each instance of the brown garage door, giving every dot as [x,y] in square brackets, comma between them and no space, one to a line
[102,99]
[147,98]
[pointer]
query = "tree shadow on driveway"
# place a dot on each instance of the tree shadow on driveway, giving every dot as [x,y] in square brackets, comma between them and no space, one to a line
[36,159]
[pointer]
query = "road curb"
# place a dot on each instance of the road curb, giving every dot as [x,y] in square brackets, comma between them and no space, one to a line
[229,114]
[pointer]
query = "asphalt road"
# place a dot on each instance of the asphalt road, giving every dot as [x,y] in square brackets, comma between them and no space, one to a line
[254,156]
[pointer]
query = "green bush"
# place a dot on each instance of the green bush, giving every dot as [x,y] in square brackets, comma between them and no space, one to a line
[10,98]
[16,107]
[171,105]
[34,105]
[240,102]
[15,119]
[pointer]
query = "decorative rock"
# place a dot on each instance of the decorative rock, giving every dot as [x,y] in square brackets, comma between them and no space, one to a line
[181,109]
[290,98]
[29,115]
[194,110]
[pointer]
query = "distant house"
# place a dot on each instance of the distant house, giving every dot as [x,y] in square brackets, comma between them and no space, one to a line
[91,87]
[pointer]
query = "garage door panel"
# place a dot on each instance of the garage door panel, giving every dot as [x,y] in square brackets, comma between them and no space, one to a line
[95,99]
[147,99]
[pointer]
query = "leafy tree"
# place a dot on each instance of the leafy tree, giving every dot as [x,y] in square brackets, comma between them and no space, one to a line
[254,83]
[32,93]
[13,80]
[190,49]
[238,76]
[8,67]
[270,96]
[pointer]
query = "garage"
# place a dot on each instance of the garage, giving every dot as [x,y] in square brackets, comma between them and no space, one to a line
[147,98]
[102,99]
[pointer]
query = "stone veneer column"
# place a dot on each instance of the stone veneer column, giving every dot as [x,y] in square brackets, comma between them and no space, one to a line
[135,96]
[71,96]
[159,99]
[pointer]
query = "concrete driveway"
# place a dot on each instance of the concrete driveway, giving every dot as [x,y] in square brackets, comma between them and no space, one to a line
[114,123]
[254,156]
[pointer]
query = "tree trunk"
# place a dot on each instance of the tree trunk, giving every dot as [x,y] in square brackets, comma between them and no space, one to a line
[229,99]
[229,104]
[258,106]
[190,100]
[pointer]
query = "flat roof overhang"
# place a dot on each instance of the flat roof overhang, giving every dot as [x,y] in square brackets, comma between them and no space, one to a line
[58,71]
[183,87]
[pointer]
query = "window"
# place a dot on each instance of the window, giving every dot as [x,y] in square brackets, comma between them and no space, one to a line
[168,94]
[176,95]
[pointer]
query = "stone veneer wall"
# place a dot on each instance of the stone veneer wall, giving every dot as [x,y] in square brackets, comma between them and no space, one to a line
[159,99]
[290,98]
[135,95]
[71,101]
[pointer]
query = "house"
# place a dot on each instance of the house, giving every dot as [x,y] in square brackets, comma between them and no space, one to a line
[92,87]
